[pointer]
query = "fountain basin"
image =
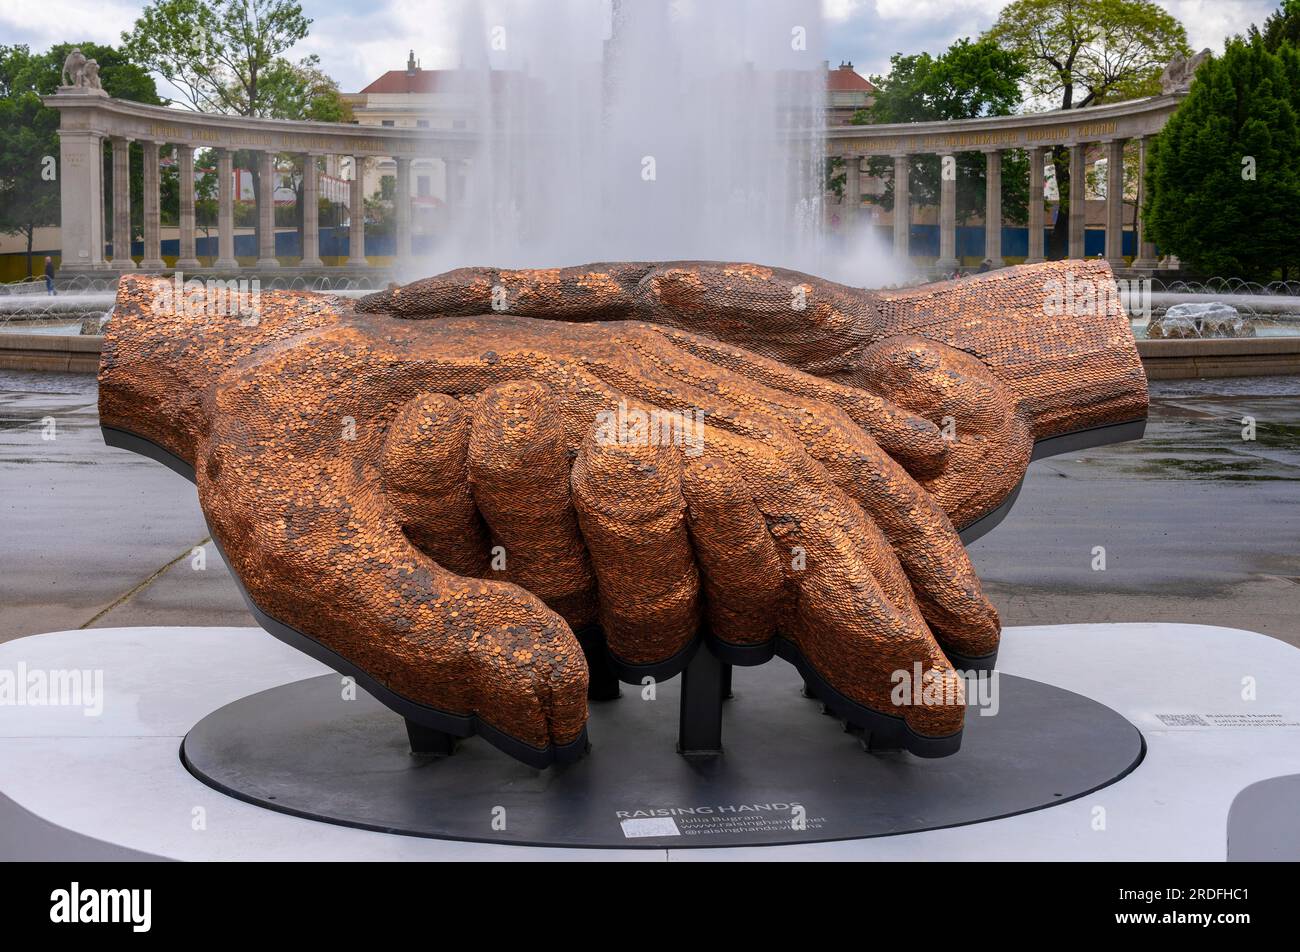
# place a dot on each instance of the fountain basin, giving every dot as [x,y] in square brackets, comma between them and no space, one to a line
[63,353]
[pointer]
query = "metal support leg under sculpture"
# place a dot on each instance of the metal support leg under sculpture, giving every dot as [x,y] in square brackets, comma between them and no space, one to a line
[428,741]
[602,683]
[703,689]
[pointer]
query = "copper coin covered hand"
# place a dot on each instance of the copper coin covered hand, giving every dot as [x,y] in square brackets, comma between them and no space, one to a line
[988,365]
[443,502]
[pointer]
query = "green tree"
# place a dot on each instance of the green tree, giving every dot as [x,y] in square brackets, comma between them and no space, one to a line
[1282,26]
[1223,185]
[969,80]
[1087,52]
[28,199]
[303,91]
[1083,53]
[218,53]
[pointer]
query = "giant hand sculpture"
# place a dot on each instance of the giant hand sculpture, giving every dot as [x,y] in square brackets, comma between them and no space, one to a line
[441,503]
[991,365]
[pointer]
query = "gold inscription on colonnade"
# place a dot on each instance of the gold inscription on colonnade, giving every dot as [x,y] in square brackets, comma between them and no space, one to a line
[973,141]
[251,139]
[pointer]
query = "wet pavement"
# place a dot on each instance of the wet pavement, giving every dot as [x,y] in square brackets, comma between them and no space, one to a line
[92,536]
[1197,524]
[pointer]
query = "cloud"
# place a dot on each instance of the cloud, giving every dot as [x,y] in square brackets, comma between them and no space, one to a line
[1209,22]
[42,25]
[838,10]
[939,11]
[359,42]
[868,33]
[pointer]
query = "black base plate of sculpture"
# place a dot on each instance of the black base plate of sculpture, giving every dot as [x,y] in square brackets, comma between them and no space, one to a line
[788,774]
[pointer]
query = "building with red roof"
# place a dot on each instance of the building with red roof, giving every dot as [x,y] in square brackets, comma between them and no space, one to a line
[847,91]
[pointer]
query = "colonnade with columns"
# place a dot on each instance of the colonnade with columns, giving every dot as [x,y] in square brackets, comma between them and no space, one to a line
[88,117]
[993,217]
[187,259]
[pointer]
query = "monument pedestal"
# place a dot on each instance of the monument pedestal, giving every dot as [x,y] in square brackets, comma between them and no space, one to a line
[272,725]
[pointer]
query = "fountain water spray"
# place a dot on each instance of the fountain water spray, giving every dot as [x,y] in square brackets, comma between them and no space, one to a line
[655,129]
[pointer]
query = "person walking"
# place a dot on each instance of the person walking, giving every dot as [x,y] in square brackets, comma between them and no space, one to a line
[49,274]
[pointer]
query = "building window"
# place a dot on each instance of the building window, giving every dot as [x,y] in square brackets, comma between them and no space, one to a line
[422,123]
[387,122]
[422,186]
[458,124]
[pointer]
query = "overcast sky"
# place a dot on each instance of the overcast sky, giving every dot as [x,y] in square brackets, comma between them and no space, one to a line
[358,40]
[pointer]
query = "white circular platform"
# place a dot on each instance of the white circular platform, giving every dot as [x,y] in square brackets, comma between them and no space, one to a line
[1217,707]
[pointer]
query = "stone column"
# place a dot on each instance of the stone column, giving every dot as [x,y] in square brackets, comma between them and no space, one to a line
[310,214]
[1037,160]
[266,211]
[902,206]
[947,215]
[122,259]
[186,260]
[1146,250]
[81,201]
[225,211]
[993,207]
[852,189]
[402,207]
[1078,199]
[1115,203]
[152,210]
[357,215]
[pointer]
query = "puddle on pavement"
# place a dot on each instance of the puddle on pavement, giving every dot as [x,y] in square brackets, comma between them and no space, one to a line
[1199,446]
[1278,435]
[15,417]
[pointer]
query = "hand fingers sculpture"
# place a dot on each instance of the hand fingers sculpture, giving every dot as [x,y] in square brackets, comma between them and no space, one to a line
[441,504]
[956,381]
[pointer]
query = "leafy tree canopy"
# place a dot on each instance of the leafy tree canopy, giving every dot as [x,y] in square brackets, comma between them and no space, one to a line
[303,91]
[1283,26]
[225,56]
[972,78]
[1223,184]
[1086,52]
